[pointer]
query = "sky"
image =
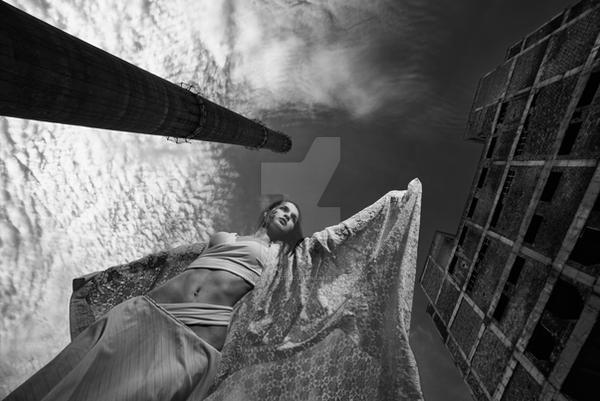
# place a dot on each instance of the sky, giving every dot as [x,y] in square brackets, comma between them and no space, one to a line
[379,91]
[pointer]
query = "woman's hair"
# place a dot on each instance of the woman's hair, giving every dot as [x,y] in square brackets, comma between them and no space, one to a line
[291,239]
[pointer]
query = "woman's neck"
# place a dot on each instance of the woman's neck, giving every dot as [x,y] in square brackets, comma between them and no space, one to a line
[261,235]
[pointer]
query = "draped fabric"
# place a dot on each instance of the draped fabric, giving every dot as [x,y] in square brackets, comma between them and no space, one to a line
[331,321]
[136,352]
[97,293]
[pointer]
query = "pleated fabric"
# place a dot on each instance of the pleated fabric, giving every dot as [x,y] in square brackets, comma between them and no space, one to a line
[137,351]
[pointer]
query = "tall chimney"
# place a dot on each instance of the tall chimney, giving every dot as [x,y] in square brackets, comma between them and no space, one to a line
[49,75]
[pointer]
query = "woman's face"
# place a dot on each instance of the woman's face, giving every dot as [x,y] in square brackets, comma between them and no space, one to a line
[282,219]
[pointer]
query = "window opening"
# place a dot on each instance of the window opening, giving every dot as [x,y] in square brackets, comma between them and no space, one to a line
[490,151]
[501,307]
[515,270]
[463,233]
[551,186]
[582,383]
[533,229]
[565,302]
[542,343]
[590,90]
[502,113]
[482,177]
[452,266]
[569,139]
[472,207]
[585,251]
[496,214]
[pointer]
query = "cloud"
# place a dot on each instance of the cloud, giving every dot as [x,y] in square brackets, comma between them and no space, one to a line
[317,54]
[261,57]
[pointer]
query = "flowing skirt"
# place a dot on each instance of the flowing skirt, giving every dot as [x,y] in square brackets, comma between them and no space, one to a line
[136,351]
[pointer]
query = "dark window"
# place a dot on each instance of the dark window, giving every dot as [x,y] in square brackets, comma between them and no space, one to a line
[472,207]
[472,279]
[551,186]
[452,265]
[541,343]
[585,251]
[490,151]
[501,307]
[533,229]
[502,114]
[569,139]
[583,381]
[597,204]
[430,309]
[590,90]
[484,248]
[482,177]
[515,270]
[496,214]
[565,302]
[463,233]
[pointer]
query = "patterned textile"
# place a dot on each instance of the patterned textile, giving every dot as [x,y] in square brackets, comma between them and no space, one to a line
[135,352]
[332,320]
[95,294]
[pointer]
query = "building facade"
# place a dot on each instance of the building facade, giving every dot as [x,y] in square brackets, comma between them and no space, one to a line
[515,294]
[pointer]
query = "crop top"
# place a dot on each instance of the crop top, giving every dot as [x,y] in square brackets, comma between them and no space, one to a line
[244,258]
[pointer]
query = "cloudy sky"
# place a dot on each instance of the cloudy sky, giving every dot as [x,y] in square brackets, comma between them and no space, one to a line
[385,85]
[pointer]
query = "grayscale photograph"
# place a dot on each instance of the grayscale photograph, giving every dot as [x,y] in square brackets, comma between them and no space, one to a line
[318,200]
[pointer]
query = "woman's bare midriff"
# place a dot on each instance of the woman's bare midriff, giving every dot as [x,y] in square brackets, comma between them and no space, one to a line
[218,287]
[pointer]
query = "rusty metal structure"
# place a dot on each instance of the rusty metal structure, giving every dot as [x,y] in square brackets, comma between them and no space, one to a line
[515,293]
[49,75]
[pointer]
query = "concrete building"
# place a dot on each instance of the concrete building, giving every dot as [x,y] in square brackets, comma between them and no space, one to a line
[515,294]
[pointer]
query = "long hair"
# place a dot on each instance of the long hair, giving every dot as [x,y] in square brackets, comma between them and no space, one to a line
[291,239]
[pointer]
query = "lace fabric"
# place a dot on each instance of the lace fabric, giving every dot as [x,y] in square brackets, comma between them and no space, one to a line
[332,321]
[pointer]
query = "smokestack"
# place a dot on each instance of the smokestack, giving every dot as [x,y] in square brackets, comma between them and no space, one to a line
[49,75]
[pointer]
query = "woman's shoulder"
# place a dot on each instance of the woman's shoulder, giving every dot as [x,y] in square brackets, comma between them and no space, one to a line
[221,237]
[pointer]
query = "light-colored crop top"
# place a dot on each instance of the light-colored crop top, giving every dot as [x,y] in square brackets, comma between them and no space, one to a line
[244,258]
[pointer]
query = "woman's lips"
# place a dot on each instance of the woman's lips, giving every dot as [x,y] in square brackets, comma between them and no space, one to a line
[283,221]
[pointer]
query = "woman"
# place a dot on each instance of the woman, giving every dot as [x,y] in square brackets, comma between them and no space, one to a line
[226,271]
[165,345]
